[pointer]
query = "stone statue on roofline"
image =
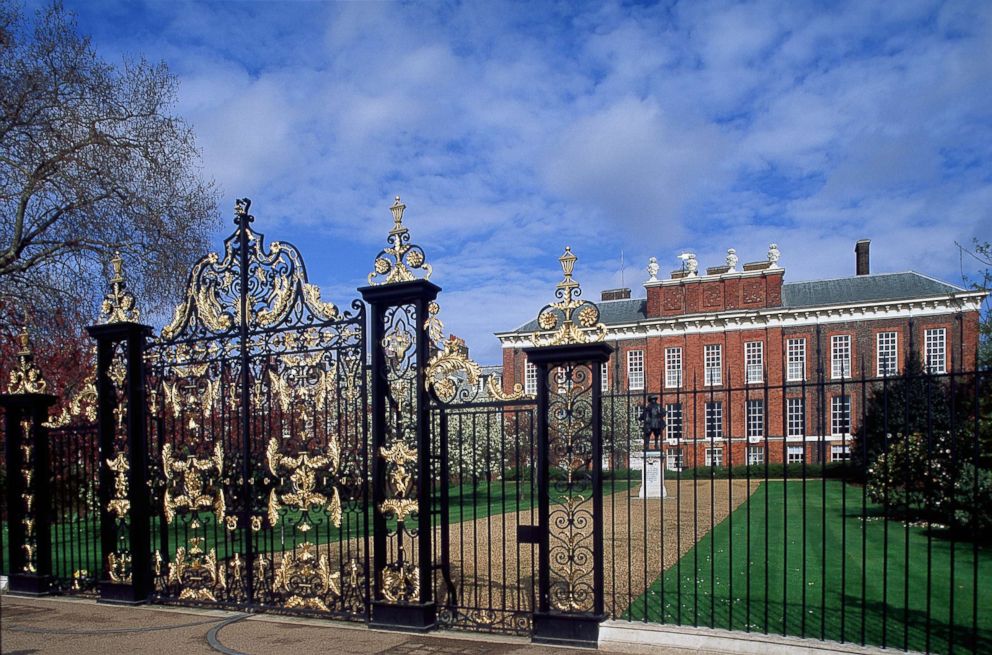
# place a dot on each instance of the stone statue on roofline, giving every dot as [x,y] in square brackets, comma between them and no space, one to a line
[732,260]
[653,269]
[773,255]
[691,265]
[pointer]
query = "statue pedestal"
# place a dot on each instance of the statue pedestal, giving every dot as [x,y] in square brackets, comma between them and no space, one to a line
[652,470]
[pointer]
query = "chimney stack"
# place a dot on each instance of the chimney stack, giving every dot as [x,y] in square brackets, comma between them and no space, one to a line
[861,256]
[615,294]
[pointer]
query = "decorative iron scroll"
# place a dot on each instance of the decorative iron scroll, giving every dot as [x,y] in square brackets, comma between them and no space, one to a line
[196,571]
[450,372]
[30,546]
[193,483]
[119,507]
[571,512]
[398,261]
[302,476]
[400,579]
[82,405]
[279,291]
[263,476]
[574,320]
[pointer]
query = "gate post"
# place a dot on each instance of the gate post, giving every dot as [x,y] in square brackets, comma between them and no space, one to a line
[28,476]
[125,529]
[569,436]
[402,559]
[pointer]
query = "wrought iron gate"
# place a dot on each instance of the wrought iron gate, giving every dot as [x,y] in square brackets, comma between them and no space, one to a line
[257,438]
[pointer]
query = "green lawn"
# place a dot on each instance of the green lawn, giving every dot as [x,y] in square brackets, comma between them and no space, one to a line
[76,544]
[773,585]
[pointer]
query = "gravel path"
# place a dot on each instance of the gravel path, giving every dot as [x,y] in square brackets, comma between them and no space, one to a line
[641,539]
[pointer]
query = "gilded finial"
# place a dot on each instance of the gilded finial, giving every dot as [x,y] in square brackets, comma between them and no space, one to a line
[576,320]
[400,259]
[397,211]
[241,207]
[27,377]
[119,305]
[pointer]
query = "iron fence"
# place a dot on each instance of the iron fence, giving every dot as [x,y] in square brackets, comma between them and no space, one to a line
[862,520]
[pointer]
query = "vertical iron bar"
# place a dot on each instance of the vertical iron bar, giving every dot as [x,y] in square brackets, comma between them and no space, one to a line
[245,414]
[543,489]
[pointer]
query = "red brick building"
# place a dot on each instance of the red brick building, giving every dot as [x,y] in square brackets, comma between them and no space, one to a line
[750,367]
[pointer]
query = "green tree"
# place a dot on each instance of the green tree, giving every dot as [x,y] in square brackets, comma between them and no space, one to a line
[912,403]
[91,162]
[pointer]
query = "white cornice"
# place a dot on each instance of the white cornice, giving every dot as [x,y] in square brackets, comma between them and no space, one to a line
[777,317]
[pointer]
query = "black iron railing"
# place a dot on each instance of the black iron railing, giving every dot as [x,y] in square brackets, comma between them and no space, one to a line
[864,519]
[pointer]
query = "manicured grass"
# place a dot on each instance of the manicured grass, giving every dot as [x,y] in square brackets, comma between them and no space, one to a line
[467,502]
[847,580]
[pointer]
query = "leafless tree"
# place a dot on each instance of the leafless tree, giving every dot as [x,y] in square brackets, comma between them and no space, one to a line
[91,162]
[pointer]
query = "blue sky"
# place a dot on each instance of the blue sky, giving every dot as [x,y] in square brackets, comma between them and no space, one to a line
[513,129]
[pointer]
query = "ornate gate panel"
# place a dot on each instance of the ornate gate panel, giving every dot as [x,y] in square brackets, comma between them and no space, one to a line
[258,437]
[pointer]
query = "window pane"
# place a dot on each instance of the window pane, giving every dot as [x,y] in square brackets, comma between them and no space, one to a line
[936,350]
[673,367]
[713,363]
[635,369]
[754,355]
[887,355]
[714,420]
[755,418]
[840,415]
[796,353]
[673,419]
[795,417]
[840,356]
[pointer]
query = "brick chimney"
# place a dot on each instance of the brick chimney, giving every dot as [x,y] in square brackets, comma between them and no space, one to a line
[861,256]
[615,294]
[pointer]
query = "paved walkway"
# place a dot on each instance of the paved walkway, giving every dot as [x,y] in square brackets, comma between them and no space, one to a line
[78,626]
[72,626]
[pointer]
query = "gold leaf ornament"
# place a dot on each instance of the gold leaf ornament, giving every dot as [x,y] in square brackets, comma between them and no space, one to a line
[581,317]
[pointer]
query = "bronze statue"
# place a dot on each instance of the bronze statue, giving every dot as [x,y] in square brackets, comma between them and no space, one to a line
[652,419]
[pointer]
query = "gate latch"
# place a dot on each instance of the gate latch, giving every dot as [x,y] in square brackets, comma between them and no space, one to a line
[528,534]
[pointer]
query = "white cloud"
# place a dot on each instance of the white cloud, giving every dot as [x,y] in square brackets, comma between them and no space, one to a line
[512,130]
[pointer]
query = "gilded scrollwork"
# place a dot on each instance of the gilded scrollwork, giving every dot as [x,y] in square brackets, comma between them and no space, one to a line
[278,288]
[82,405]
[398,261]
[119,567]
[197,573]
[30,545]
[450,372]
[119,505]
[191,482]
[307,482]
[570,516]
[306,578]
[496,391]
[576,320]
[400,583]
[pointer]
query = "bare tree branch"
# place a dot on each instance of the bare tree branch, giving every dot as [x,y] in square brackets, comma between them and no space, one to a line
[91,161]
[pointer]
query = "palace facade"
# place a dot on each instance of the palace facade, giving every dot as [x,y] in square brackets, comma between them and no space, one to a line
[751,368]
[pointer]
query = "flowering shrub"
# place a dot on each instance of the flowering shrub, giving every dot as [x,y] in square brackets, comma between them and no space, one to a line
[973,500]
[913,474]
